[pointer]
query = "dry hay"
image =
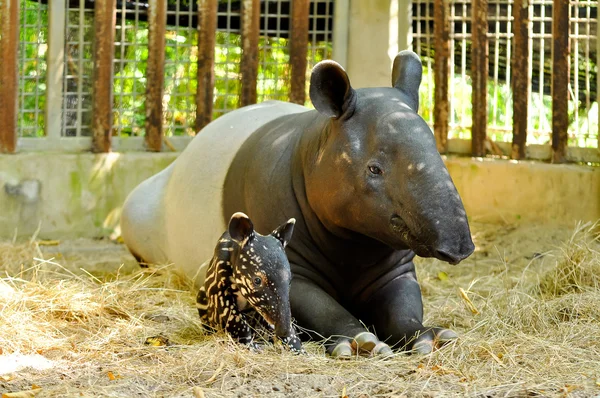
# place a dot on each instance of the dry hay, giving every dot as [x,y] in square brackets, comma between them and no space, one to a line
[529,321]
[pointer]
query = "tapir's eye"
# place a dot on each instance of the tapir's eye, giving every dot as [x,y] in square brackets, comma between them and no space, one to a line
[257,281]
[375,170]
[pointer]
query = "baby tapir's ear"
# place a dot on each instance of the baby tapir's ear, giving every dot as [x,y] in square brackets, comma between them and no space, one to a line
[284,232]
[241,228]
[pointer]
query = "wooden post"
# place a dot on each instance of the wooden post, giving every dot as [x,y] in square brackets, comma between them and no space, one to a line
[298,50]
[560,80]
[250,21]
[104,38]
[9,74]
[479,74]
[207,28]
[441,109]
[155,73]
[521,83]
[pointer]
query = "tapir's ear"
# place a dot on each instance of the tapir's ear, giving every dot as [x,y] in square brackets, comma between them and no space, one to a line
[284,232]
[406,76]
[330,90]
[241,228]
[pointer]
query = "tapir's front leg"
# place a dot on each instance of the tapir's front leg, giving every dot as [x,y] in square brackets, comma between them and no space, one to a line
[324,317]
[396,312]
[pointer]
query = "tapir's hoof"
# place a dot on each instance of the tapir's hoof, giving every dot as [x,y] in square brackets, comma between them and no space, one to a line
[382,350]
[342,350]
[364,343]
[444,336]
[423,347]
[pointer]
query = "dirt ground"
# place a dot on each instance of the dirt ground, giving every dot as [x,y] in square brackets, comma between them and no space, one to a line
[75,318]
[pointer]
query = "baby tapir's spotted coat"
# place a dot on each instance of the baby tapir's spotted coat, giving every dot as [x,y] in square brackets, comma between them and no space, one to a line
[249,274]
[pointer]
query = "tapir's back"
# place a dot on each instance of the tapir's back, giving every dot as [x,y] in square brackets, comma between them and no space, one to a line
[193,196]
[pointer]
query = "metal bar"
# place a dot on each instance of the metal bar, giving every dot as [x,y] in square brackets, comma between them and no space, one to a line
[56,68]
[298,50]
[105,14]
[250,21]
[340,31]
[441,109]
[479,74]
[560,80]
[9,72]
[207,27]
[157,19]
[521,78]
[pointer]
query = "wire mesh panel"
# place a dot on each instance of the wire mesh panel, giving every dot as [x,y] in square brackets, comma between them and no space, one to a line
[274,56]
[320,32]
[460,92]
[32,68]
[499,85]
[423,45]
[181,69]
[583,129]
[77,100]
[540,104]
[228,54]
[129,83]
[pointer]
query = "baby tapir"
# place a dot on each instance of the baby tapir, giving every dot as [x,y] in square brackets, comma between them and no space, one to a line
[249,274]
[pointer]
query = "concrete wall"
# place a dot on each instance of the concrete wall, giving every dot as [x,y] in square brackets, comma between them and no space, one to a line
[80,195]
[377,30]
[69,195]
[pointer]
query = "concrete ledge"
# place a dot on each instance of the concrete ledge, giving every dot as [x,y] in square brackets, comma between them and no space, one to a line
[80,195]
[505,191]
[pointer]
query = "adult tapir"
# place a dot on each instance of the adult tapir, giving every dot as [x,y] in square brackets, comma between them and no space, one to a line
[360,174]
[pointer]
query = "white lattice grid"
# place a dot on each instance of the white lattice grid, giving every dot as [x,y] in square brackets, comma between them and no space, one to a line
[129,81]
[33,45]
[181,70]
[500,36]
[583,131]
[77,82]
[227,63]
[423,44]
[540,68]
[320,31]
[274,57]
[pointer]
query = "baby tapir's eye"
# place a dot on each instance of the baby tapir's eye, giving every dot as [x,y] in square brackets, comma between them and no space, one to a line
[257,281]
[375,170]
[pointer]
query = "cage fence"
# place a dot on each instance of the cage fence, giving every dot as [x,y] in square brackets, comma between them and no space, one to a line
[320,32]
[583,103]
[33,45]
[77,81]
[228,55]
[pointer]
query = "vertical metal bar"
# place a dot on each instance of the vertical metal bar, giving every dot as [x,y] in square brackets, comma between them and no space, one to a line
[207,28]
[340,31]
[479,74]
[441,109]
[157,19]
[9,72]
[521,78]
[250,21]
[298,50]
[104,33]
[560,80]
[56,67]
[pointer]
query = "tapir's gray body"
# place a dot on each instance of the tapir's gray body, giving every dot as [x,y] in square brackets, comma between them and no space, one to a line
[361,175]
[176,215]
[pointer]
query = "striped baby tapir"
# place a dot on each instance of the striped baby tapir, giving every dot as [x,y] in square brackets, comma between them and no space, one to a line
[247,284]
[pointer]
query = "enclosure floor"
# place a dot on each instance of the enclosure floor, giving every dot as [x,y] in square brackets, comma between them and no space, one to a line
[76,324]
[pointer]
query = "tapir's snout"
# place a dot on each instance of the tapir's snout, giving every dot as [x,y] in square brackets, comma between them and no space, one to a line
[455,255]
